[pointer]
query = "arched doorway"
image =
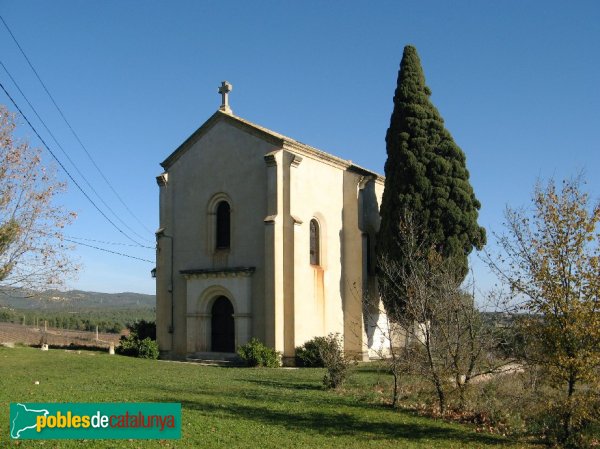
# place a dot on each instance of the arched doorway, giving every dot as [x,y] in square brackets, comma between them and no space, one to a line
[222,326]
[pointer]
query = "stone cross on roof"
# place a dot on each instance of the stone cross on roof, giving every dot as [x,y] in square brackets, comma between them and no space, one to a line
[224,90]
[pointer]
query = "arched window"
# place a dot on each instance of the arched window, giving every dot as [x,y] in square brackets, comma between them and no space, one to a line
[315,243]
[223,225]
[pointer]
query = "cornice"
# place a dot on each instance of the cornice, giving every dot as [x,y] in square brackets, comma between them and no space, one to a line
[218,272]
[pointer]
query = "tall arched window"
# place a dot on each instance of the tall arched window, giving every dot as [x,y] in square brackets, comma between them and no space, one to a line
[223,225]
[315,243]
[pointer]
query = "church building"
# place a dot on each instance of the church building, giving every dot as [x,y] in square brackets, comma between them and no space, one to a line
[263,236]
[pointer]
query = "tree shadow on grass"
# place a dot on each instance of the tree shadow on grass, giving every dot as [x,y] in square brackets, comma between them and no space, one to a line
[276,395]
[272,392]
[286,385]
[338,423]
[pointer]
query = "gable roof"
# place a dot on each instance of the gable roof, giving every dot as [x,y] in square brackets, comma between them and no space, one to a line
[263,133]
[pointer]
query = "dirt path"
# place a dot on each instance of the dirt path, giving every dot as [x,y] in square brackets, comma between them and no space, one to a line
[29,335]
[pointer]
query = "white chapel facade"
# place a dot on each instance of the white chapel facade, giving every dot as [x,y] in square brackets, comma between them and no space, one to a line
[263,236]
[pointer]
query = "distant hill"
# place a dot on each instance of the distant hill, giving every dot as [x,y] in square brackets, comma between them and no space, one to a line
[74,300]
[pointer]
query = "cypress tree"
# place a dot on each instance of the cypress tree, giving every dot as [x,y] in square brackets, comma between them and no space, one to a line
[426,177]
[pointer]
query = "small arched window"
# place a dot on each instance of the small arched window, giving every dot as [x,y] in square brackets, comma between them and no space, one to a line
[223,225]
[315,243]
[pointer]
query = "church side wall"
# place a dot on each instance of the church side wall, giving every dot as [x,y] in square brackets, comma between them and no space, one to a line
[315,192]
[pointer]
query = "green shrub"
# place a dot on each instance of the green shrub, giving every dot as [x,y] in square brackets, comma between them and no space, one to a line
[147,349]
[255,353]
[128,345]
[134,347]
[309,354]
[335,361]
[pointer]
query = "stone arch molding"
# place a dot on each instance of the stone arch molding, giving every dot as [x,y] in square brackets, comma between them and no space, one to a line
[210,295]
[215,200]
[211,221]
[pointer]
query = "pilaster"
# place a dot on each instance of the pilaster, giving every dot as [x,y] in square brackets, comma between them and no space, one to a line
[293,255]
[274,282]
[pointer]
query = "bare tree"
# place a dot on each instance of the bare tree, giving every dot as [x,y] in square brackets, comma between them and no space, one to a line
[441,331]
[32,252]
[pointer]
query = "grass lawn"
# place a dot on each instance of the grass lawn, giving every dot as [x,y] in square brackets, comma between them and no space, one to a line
[225,407]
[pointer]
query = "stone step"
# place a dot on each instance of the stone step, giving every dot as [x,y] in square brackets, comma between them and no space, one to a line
[215,359]
[223,363]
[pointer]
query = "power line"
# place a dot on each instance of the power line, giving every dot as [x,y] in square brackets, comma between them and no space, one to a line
[67,155]
[104,242]
[63,167]
[71,128]
[108,250]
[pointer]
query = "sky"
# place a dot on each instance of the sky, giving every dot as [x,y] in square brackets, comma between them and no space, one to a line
[515,81]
